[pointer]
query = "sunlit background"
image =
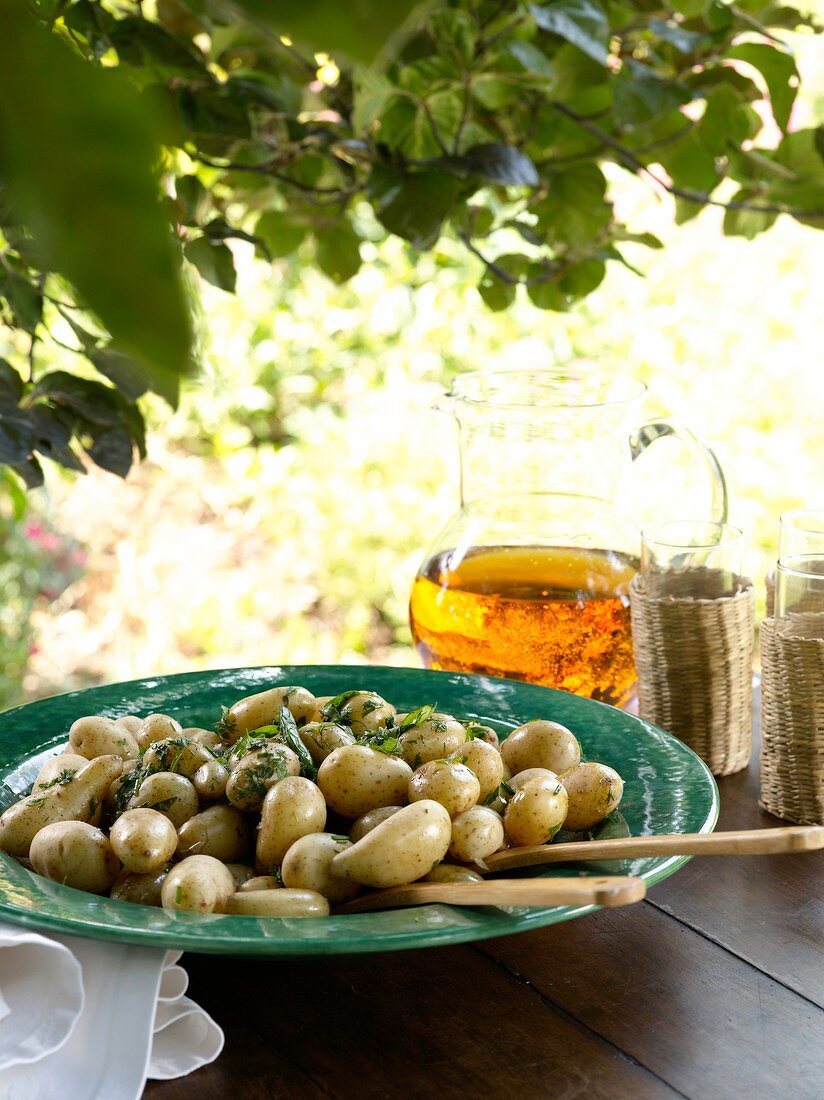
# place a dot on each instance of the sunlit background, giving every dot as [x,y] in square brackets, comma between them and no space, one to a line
[286,505]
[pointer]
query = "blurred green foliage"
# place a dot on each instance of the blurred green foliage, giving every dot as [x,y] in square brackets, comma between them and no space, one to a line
[182,127]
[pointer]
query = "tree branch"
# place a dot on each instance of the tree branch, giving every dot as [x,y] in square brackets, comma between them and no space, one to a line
[322,195]
[701,198]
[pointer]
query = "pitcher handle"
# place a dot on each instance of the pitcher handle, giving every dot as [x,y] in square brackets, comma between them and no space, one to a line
[648,433]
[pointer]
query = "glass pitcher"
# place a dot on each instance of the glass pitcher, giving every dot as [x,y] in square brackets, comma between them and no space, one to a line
[530,580]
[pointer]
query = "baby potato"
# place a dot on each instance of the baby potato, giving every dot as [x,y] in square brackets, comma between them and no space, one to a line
[540,744]
[594,790]
[451,872]
[355,779]
[367,712]
[157,727]
[483,733]
[241,872]
[291,809]
[130,722]
[437,737]
[452,784]
[219,831]
[140,889]
[367,822]
[201,736]
[263,709]
[256,772]
[143,840]
[320,703]
[322,738]
[200,884]
[476,834]
[76,854]
[308,866]
[278,903]
[403,848]
[170,794]
[485,761]
[176,754]
[210,781]
[58,769]
[259,882]
[81,799]
[536,811]
[517,781]
[95,735]
[110,797]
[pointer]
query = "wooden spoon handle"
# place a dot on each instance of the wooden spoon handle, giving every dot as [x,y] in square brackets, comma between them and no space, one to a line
[788,838]
[586,890]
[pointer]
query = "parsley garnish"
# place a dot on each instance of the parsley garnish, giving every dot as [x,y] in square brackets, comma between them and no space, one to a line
[416,717]
[163,805]
[178,895]
[64,777]
[386,741]
[507,788]
[370,705]
[286,732]
[333,710]
[227,725]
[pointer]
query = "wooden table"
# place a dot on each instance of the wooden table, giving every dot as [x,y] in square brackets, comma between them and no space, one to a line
[711,989]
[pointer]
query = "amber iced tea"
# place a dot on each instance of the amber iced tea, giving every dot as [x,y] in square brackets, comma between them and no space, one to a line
[557,616]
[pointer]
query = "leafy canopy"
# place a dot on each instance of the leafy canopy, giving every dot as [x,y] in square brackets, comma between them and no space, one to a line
[137,140]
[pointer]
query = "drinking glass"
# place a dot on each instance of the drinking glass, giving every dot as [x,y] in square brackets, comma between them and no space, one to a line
[799,574]
[691,558]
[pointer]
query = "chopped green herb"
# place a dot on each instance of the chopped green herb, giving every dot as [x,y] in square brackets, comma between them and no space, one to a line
[64,777]
[492,797]
[163,805]
[507,788]
[37,801]
[415,717]
[227,725]
[386,741]
[178,895]
[286,732]
[333,710]
[370,705]
[340,838]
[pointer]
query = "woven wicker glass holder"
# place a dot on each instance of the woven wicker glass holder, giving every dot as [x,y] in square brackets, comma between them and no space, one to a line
[792,720]
[693,655]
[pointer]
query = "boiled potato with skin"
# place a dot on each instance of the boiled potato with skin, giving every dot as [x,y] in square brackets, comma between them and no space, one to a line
[322,738]
[485,761]
[451,872]
[58,769]
[320,703]
[476,834]
[110,798]
[291,809]
[81,799]
[210,780]
[487,734]
[130,722]
[256,772]
[140,889]
[517,781]
[308,866]
[536,811]
[263,709]
[199,884]
[201,736]
[367,712]
[452,784]
[355,779]
[170,794]
[176,754]
[95,736]
[278,903]
[241,872]
[157,727]
[220,831]
[76,854]
[259,882]
[594,790]
[367,822]
[403,848]
[540,744]
[143,840]
[437,737]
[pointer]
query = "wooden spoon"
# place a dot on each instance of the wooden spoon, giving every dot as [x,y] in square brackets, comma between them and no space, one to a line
[744,842]
[586,890]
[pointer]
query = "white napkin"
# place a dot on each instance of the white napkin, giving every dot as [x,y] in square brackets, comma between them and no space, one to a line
[88,1020]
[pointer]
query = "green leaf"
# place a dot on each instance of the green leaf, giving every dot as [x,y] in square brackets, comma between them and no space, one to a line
[547,295]
[412,205]
[685,41]
[92,400]
[691,164]
[25,300]
[281,231]
[533,59]
[454,34]
[746,223]
[11,384]
[575,211]
[78,148]
[338,251]
[583,23]
[496,293]
[496,162]
[113,450]
[18,497]
[724,122]
[194,198]
[127,374]
[779,72]
[361,29]
[16,438]
[640,95]
[214,262]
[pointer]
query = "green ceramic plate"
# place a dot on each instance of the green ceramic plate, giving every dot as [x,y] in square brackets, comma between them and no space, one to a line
[667,790]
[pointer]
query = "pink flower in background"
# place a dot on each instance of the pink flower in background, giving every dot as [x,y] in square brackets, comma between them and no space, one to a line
[34,531]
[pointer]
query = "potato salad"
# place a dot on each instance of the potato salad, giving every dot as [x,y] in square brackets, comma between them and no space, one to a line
[294,804]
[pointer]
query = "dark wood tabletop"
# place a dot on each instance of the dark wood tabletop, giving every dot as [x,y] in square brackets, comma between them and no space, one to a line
[712,989]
